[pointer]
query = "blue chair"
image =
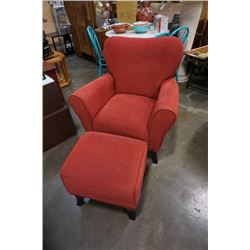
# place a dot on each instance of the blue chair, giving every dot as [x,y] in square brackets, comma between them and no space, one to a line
[163,34]
[97,49]
[181,32]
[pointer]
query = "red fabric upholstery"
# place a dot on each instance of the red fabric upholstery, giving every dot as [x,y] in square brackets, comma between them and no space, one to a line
[164,114]
[126,115]
[139,66]
[132,100]
[107,168]
[89,99]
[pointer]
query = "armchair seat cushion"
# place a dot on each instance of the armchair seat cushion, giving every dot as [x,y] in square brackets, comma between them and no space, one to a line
[126,115]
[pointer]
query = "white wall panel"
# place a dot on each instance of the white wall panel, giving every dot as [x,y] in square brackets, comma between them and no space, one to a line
[190,16]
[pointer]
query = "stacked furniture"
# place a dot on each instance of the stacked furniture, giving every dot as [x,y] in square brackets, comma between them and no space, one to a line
[126,113]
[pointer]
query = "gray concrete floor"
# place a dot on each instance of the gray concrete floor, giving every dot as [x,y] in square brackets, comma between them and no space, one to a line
[173,207]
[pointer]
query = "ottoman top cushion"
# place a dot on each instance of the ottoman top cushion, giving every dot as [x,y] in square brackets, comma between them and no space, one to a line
[107,168]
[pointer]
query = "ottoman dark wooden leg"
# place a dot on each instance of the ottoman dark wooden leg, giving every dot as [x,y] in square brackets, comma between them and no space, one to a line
[131,214]
[154,156]
[80,200]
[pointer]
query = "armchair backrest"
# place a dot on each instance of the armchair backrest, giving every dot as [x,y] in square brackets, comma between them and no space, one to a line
[140,65]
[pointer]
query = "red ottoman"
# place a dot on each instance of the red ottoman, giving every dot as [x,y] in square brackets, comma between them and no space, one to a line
[107,168]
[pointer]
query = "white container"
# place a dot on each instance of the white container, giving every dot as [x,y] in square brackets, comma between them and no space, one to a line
[161,23]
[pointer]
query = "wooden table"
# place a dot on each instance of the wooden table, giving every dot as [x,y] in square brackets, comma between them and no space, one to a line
[198,66]
[131,33]
[58,59]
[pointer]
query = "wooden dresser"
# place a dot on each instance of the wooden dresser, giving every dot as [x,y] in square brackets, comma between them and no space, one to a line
[57,122]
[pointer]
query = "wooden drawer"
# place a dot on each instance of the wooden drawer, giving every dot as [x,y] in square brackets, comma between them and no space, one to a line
[52,98]
[57,127]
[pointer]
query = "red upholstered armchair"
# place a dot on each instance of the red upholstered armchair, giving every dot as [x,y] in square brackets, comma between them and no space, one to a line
[139,97]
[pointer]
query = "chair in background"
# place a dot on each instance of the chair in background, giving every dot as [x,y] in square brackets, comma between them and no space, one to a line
[181,32]
[163,34]
[139,98]
[97,49]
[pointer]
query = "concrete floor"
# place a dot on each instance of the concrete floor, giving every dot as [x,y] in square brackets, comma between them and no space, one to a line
[173,208]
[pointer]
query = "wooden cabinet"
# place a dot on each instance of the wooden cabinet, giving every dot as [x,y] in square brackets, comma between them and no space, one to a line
[81,14]
[57,122]
[101,36]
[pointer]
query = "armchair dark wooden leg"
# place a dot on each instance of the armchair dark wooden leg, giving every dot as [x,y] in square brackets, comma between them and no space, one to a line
[80,200]
[131,214]
[154,157]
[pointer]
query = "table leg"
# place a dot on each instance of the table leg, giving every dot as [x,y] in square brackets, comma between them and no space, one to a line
[67,40]
[54,43]
[71,43]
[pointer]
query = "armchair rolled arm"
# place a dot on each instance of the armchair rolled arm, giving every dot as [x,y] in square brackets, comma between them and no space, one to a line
[164,114]
[89,99]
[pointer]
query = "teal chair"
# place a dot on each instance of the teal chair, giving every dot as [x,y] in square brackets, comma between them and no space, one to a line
[97,49]
[163,34]
[181,32]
